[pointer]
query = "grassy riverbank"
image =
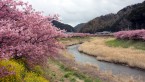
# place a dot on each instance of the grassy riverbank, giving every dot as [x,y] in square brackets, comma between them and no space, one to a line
[73,40]
[126,43]
[129,56]
[62,67]
[88,70]
[59,72]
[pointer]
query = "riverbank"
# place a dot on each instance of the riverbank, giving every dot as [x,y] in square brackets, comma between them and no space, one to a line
[74,40]
[128,56]
[92,71]
[63,68]
[137,44]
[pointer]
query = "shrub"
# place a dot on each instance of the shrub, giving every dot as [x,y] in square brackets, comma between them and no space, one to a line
[17,71]
[38,70]
[72,80]
[68,74]
[88,80]
[32,77]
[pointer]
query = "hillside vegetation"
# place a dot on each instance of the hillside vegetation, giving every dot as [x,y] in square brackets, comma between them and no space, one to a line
[62,26]
[79,26]
[130,17]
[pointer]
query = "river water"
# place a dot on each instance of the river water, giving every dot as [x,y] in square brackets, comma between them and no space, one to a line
[115,69]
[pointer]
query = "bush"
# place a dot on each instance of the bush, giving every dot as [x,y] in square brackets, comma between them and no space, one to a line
[17,70]
[68,74]
[88,80]
[72,80]
[32,77]
[38,70]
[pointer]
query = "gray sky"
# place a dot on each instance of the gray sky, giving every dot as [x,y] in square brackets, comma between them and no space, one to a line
[74,12]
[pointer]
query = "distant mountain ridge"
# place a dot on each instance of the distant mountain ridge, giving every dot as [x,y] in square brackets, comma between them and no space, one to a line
[130,17]
[63,26]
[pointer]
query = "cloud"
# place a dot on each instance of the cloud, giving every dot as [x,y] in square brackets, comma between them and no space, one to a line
[74,12]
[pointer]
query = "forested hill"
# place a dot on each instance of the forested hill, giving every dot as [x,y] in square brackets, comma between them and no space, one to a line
[63,26]
[79,26]
[130,17]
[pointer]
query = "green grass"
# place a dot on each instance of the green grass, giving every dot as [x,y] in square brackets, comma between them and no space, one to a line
[71,74]
[126,43]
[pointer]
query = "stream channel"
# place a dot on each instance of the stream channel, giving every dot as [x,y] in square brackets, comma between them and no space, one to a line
[116,69]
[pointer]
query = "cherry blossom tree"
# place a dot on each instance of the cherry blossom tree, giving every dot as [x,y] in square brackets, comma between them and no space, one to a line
[25,33]
[132,34]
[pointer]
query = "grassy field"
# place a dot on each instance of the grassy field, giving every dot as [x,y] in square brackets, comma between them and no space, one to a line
[126,43]
[99,47]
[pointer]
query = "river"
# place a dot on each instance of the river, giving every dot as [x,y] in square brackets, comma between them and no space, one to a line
[116,69]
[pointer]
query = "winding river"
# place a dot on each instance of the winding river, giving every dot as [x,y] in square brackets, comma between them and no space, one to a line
[116,69]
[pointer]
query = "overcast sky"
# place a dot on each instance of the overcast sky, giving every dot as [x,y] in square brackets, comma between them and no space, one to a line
[74,12]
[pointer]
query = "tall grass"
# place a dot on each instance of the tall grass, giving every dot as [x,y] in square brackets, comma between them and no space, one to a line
[130,56]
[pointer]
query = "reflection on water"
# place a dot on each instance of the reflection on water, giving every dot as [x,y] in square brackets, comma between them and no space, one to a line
[104,66]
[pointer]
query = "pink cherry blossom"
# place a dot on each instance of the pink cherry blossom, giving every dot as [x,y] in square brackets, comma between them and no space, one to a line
[25,33]
[132,34]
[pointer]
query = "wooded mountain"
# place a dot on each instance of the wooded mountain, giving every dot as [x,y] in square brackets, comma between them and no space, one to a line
[130,17]
[63,26]
[79,26]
